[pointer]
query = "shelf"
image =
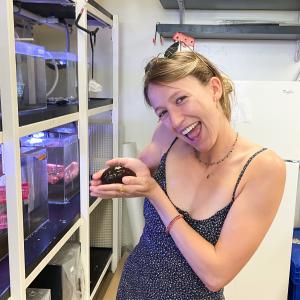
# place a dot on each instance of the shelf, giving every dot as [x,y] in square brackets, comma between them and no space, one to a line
[56,115]
[100,8]
[44,125]
[100,259]
[62,218]
[233,31]
[53,252]
[234,4]
[97,106]
[51,112]
[42,245]
[98,14]
[94,202]
[42,119]
[63,9]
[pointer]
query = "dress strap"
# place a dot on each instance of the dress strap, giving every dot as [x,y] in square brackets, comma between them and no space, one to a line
[166,153]
[243,171]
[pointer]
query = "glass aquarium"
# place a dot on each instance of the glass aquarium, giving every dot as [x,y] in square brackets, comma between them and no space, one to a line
[61,73]
[3,213]
[34,193]
[35,185]
[31,76]
[62,165]
[66,129]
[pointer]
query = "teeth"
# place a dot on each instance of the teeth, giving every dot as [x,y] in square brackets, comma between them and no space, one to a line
[188,129]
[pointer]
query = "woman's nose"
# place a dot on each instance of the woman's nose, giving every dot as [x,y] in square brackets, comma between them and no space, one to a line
[176,119]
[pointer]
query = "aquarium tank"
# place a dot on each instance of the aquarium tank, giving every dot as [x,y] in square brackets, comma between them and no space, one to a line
[61,73]
[34,193]
[62,163]
[31,76]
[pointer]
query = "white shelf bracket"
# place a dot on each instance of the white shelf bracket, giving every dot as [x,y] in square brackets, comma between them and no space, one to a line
[181,10]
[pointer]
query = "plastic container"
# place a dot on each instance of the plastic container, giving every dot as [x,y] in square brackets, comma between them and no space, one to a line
[60,131]
[34,178]
[62,165]
[34,193]
[31,76]
[3,213]
[61,72]
[38,294]
[66,273]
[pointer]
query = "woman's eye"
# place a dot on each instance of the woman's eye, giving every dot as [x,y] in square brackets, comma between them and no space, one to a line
[161,114]
[180,99]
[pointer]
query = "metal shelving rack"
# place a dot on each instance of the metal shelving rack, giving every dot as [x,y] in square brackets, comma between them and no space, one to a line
[232,31]
[20,279]
[237,31]
[232,4]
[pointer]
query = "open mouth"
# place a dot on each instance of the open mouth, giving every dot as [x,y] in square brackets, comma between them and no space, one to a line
[193,131]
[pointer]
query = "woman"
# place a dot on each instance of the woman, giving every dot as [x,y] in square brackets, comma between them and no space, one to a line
[213,196]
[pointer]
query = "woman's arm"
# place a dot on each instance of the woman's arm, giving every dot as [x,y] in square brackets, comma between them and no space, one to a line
[150,156]
[161,141]
[245,226]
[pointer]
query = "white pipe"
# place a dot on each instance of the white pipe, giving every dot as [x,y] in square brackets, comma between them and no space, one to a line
[37,18]
[55,80]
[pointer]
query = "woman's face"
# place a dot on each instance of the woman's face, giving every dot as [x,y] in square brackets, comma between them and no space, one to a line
[190,109]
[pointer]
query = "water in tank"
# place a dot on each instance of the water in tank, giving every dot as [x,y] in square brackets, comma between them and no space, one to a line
[31,76]
[62,165]
[34,182]
[61,72]
[34,193]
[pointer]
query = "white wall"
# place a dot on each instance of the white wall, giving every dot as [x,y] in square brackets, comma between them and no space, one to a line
[241,60]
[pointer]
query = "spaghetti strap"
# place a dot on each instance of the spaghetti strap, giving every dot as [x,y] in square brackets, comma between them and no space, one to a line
[243,171]
[166,153]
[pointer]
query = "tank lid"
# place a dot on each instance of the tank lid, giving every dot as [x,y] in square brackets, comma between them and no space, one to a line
[61,55]
[29,49]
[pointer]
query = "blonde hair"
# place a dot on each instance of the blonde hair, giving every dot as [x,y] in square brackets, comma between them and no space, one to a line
[162,70]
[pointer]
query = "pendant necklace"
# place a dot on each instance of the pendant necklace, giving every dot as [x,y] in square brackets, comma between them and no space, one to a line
[209,164]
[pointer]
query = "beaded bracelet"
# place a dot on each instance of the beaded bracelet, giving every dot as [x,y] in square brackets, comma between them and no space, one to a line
[176,218]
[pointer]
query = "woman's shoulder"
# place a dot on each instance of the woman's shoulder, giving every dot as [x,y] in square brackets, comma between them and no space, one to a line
[270,168]
[162,139]
[265,168]
[264,159]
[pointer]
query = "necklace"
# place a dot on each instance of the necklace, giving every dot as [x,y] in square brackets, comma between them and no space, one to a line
[208,164]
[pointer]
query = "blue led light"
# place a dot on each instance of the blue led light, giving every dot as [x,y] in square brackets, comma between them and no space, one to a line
[33,141]
[61,56]
[38,134]
[29,49]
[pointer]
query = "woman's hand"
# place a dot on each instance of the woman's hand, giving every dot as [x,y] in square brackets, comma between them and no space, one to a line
[141,185]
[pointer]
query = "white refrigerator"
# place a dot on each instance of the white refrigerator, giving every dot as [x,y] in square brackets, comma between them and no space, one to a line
[267,112]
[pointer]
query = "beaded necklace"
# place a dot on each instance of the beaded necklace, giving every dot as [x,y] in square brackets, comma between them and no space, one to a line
[208,164]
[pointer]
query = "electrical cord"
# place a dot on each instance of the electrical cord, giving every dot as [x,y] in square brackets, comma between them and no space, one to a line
[91,33]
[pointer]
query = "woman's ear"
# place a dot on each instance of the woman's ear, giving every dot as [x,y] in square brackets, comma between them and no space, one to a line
[216,88]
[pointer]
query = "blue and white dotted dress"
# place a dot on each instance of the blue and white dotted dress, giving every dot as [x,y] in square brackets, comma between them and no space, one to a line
[156,269]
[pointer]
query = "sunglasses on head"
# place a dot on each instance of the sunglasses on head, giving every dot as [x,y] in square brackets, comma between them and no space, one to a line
[171,50]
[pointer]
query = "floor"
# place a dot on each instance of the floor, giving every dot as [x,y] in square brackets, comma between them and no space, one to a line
[109,285]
